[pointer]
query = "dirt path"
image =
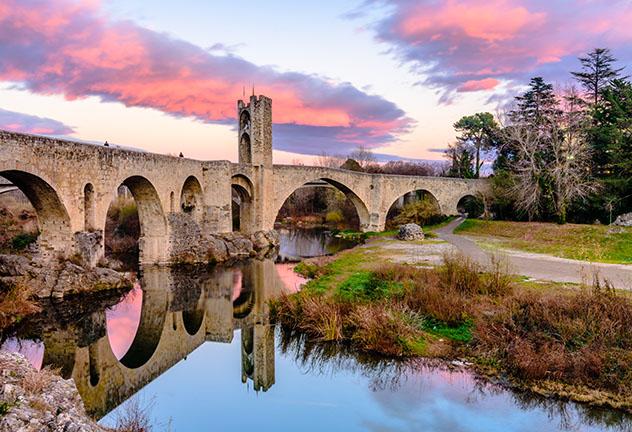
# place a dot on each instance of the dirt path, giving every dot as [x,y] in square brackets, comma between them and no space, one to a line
[540,266]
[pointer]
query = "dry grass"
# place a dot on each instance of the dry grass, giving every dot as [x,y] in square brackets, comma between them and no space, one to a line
[16,302]
[579,337]
[36,381]
[135,416]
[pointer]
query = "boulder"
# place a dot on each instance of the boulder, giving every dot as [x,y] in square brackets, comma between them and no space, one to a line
[15,265]
[624,220]
[410,232]
[217,250]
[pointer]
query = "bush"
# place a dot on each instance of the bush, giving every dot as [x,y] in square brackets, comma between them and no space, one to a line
[580,338]
[334,217]
[422,212]
[22,241]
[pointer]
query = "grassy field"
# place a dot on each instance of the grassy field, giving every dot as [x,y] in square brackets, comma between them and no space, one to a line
[556,339]
[597,243]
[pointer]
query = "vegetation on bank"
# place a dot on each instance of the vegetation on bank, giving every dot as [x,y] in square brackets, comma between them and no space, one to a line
[18,224]
[568,341]
[16,303]
[558,153]
[595,243]
[122,231]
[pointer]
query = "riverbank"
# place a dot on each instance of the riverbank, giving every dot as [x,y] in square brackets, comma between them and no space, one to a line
[595,243]
[554,339]
[32,400]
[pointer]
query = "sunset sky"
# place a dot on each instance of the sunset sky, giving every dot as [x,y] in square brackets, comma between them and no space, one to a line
[390,75]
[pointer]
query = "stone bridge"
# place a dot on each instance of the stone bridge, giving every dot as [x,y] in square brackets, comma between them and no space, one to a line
[180,201]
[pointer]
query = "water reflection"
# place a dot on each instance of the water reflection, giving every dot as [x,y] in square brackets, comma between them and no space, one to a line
[307,243]
[122,321]
[186,337]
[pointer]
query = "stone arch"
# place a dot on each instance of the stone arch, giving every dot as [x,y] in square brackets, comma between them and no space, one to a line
[472,204]
[245,149]
[153,224]
[192,198]
[242,196]
[192,320]
[358,203]
[410,196]
[416,194]
[244,120]
[54,222]
[93,364]
[245,301]
[89,207]
[152,321]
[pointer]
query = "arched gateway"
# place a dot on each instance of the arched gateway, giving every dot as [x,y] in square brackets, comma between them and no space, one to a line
[71,186]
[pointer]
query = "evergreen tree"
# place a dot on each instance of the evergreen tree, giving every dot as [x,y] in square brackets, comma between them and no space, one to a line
[461,160]
[537,106]
[597,72]
[480,130]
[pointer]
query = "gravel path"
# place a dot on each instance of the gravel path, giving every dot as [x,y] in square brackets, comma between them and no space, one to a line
[540,266]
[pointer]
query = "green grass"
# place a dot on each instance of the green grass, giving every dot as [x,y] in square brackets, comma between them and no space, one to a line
[4,408]
[364,286]
[461,333]
[334,273]
[595,243]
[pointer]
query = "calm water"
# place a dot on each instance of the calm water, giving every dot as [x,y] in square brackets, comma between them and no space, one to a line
[307,243]
[196,348]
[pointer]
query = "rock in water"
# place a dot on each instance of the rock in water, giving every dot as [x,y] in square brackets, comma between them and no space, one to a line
[624,220]
[410,232]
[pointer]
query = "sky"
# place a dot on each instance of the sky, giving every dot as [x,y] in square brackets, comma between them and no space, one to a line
[388,75]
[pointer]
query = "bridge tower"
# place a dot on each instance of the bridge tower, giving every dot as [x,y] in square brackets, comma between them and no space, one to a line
[255,131]
[255,151]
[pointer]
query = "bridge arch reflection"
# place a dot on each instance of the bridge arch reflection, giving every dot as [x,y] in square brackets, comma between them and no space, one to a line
[172,325]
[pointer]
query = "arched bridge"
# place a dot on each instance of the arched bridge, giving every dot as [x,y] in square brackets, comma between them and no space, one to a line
[71,186]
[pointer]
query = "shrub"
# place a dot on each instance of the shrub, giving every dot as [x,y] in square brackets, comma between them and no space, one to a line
[579,338]
[16,302]
[22,241]
[422,212]
[334,217]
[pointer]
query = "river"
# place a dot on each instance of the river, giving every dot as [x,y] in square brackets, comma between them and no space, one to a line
[195,348]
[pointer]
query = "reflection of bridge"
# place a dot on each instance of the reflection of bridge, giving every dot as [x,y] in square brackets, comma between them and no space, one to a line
[180,201]
[181,310]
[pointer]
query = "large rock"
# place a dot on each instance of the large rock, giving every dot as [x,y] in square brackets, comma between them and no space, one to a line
[15,265]
[410,232]
[39,400]
[624,220]
[89,244]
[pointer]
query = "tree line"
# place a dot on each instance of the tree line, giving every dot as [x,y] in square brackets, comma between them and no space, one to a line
[558,154]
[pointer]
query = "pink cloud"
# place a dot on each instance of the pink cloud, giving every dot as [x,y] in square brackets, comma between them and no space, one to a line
[478,85]
[69,47]
[473,45]
[19,122]
[122,321]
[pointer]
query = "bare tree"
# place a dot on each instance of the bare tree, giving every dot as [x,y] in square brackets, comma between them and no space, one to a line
[363,156]
[552,163]
[329,161]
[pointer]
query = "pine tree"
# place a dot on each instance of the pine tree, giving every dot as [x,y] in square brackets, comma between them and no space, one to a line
[597,72]
[480,130]
[536,106]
